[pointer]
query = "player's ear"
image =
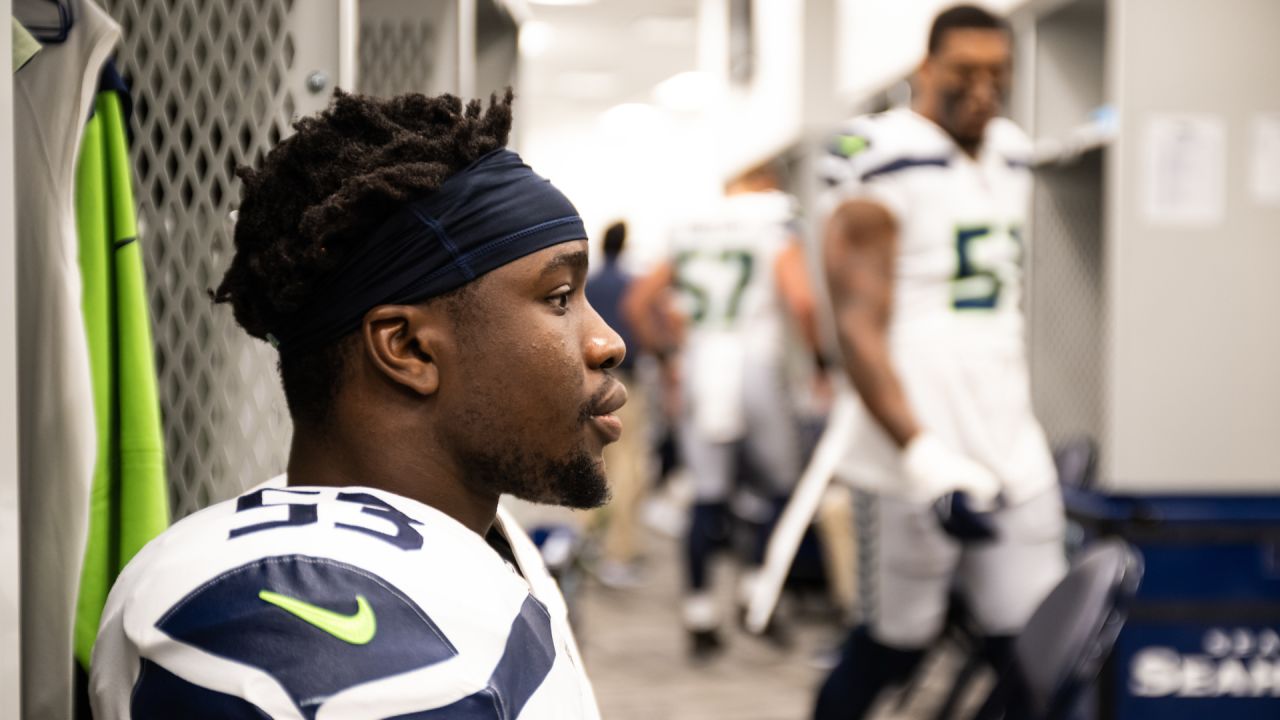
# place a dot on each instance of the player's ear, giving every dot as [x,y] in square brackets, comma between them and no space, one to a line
[924,72]
[400,341]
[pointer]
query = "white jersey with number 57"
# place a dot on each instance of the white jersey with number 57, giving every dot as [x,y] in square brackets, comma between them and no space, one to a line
[724,268]
[956,334]
[723,264]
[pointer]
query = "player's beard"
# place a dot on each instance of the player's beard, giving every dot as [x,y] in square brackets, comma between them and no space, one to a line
[966,131]
[576,480]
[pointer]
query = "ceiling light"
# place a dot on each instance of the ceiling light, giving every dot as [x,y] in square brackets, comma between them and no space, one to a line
[535,38]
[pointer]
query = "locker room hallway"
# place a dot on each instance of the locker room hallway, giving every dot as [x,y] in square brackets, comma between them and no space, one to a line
[635,653]
[377,359]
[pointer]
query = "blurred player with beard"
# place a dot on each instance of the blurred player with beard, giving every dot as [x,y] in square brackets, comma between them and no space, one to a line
[424,288]
[922,253]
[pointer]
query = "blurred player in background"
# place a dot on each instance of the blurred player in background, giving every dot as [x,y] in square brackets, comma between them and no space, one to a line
[923,259]
[627,461]
[735,272]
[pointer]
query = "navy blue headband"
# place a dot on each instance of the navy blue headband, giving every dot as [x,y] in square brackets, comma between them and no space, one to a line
[495,211]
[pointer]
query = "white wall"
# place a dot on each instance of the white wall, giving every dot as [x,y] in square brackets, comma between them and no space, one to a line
[1194,353]
[757,121]
[642,166]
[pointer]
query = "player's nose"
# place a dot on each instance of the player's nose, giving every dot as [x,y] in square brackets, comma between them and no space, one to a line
[984,89]
[604,347]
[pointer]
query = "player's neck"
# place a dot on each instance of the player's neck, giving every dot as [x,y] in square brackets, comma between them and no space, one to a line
[968,147]
[331,457]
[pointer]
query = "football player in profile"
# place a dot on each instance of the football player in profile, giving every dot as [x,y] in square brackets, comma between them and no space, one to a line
[424,288]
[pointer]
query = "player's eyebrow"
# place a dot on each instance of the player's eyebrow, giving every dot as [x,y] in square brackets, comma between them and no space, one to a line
[576,260]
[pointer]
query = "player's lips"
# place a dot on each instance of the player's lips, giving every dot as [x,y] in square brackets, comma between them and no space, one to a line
[602,414]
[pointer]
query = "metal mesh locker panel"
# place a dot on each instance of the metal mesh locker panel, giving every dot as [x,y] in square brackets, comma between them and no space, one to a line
[209,86]
[396,56]
[865,507]
[1066,308]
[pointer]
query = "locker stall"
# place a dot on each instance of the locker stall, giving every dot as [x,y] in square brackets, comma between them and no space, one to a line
[214,86]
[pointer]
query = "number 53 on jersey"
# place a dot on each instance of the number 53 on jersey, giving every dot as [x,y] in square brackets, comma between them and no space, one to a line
[988,258]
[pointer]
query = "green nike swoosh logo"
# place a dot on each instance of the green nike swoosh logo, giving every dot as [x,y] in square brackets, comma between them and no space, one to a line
[357,629]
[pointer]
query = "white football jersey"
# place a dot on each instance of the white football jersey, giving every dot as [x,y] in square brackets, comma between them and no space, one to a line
[724,277]
[956,334]
[315,603]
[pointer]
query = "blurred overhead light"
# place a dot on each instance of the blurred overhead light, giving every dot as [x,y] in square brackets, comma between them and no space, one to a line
[535,38]
[562,2]
[687,91]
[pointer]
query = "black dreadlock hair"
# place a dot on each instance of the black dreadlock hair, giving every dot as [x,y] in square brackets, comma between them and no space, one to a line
[962,17]
[321,191]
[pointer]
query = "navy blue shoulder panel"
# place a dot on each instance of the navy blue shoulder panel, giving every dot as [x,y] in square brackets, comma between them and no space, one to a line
[525,663]
[905,163]
[527,659]
[160,694]
[228,617]
[479,706]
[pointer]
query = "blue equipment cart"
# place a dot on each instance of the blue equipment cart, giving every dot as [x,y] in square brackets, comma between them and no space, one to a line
[1203,634]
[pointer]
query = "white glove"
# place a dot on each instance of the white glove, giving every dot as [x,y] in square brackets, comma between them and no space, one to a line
[932,470]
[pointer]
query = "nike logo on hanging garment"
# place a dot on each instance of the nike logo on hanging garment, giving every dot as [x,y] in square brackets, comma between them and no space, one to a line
[355,629]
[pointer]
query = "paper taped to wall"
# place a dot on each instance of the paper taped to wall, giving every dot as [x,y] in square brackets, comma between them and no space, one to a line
[1184,170]
[1264,177]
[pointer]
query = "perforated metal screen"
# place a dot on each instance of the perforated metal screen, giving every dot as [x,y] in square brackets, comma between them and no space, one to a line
[396,55]
[1066,300]
[209,86]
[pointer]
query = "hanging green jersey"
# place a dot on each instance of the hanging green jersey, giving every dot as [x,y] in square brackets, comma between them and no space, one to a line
[129,502]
